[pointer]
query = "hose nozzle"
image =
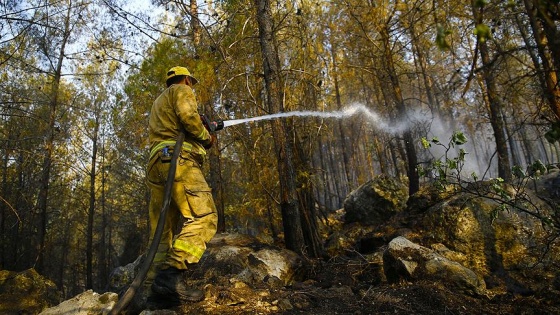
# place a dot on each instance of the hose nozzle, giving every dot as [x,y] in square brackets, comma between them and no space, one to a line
[212,126]
[219,125]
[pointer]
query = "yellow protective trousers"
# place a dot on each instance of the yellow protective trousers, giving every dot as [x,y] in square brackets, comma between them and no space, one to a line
[191,220]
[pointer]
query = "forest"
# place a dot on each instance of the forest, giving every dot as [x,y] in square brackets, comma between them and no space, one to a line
[78,78]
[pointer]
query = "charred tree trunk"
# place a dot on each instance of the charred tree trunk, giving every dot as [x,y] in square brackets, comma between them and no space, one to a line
[214,159]
[289,205]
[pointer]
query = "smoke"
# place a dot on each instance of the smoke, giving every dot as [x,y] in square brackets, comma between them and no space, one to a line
[443,130]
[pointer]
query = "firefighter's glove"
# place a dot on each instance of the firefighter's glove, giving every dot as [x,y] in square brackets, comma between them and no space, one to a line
[213,139]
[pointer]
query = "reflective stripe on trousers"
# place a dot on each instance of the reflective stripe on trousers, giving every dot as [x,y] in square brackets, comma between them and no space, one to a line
[193,250]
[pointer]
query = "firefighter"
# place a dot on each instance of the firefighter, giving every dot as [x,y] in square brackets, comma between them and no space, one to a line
[191,220]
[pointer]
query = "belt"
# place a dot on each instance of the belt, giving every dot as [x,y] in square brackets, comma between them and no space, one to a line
[186,147]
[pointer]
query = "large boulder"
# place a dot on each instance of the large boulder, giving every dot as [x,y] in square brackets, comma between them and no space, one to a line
[406,260]
[547,185]
[250,260]
[26,292]
[512,246]
[500,232]
[376,201]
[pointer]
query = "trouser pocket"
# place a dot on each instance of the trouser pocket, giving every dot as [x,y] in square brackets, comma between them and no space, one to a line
[157,171]
[201,203]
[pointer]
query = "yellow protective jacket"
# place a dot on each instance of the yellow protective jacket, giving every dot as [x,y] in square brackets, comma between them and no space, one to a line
[176,108]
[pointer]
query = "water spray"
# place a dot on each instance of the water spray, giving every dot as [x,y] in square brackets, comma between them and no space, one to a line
[355,109]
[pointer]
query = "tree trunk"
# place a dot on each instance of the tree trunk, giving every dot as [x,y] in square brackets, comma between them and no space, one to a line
[494,102]
[195,23]
[293,235]
[91,210]
[547,37]
[420,60]
[342,136]
[308,210]
[103,263]
[43,195]
[216,182]
[214,158]
[410,148]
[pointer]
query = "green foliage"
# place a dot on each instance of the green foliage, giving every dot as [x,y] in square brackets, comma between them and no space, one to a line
[458,138]
[441,37]
[536,169]
[447,171]
[553,134]
[480,3]
[445,165]
[482,32]
[498,188]
[533,170]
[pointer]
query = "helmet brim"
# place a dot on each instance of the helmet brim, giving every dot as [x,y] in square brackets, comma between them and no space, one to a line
[192,79]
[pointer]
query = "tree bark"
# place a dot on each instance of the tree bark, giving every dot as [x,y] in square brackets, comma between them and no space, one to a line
[289,205]
[42,198]
[494,102]
[214,157]
[4,240]
[195,23]
[410,148]
[343,143]
[547,38]
[216,182]
[91,210]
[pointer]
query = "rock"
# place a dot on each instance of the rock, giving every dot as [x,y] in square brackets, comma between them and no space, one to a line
[547,185]
[507,246]
[347,240]
[285,305]
[86,303]
[121,277]
[406,260]
[251,261]
[224,260]
[281,264]
[449,254]
[235,239]
[26,292]
[430,195]
[376,201]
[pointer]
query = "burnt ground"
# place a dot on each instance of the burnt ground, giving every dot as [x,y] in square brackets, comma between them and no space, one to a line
[350,287]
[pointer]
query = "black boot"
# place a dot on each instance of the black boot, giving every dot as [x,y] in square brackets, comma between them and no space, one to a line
[169,284]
